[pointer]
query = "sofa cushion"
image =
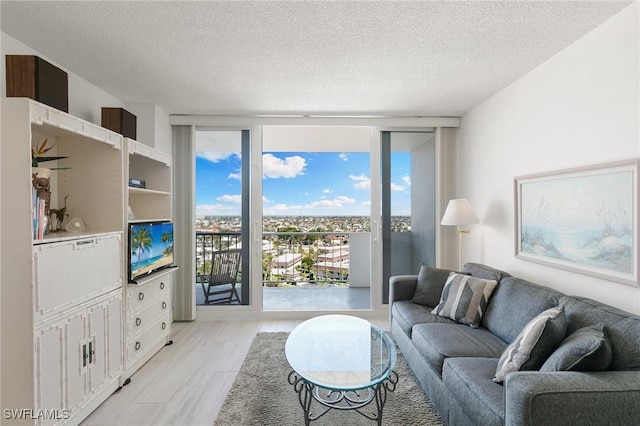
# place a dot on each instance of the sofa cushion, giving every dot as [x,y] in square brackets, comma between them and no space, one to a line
[586,349]
[514,303]
[483,271]
[469,380]
[464,299]
[437,342]
[622,329]
[406,314]
[534,344]
[431,281]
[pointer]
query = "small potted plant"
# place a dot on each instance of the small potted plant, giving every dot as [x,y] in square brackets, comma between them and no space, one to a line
[38,156]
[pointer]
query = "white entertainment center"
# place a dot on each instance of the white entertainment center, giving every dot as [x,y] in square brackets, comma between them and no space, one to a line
[73,328]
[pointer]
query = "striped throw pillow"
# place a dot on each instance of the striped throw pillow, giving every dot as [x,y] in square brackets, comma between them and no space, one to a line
[535,343]
[464,299]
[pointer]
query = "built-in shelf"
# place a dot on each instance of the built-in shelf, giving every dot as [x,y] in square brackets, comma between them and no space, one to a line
[143,191]
[161,219]
[54,237]
[152,276]
[62,293]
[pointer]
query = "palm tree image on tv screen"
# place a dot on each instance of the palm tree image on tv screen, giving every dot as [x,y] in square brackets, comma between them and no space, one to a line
[150,248]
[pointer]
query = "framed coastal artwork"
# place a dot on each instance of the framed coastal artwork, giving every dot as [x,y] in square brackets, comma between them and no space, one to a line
[583,219]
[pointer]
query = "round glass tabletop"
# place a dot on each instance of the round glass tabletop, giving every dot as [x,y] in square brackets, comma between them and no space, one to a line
[340,352]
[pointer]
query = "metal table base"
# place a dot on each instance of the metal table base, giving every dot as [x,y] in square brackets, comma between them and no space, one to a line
[329,399]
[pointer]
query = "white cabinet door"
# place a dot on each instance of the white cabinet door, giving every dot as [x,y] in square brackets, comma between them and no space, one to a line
[86,267]
[77,360]
[49,369]
[97,344]
[114,345]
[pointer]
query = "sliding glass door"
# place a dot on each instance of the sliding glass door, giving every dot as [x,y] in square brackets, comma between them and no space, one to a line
[408,176]
[323,215]
[222,214]
[316,197]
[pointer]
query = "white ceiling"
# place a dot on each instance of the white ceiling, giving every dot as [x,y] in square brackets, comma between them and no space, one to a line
[401,58]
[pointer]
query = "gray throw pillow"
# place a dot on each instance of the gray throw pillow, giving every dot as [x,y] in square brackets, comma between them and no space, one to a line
[531,348]
[431,281]
[464,299]
[586,349]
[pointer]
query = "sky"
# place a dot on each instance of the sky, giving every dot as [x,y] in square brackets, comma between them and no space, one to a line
[299,184]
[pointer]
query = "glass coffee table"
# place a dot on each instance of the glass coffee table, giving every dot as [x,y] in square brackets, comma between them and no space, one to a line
[342,363]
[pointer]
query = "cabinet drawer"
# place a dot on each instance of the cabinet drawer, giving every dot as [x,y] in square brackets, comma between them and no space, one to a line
[161,287]
[142,319]
[139,345]
[141,296]
[70,272]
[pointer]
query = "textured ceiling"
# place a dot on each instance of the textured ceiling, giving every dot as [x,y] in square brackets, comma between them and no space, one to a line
[438,58]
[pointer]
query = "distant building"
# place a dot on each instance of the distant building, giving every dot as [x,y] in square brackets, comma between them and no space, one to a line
[332,270]
[285,266]
[333,253]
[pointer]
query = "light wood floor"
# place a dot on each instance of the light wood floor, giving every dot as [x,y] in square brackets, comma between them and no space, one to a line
[187,382]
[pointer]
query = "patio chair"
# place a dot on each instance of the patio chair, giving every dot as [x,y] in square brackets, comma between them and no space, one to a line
[222,278]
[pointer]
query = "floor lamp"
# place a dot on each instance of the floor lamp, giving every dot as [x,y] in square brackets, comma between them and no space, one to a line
[459,213]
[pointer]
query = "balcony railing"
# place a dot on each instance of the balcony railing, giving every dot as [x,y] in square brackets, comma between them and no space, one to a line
[288,258]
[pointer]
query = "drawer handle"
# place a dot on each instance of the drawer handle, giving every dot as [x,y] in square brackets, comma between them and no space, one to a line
[85,243]
[140,296]
[138,322]
[164,325]
[85,355]
[164,305]
[137,346]
[162,286]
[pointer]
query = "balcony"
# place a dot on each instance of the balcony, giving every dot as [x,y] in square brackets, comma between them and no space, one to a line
[301,270]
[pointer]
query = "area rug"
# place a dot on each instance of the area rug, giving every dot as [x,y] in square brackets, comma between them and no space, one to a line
[261,394]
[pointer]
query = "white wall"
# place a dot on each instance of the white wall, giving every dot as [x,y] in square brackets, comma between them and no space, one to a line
[580,107]
[86,100]
[153,125]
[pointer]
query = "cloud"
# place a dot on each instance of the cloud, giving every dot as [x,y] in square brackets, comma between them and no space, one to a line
[217,209]
[361,182]
[274,167]
[234,176]
[327,191]
[336,202]
[237,199]
[406,182]
[396,187]
[282,208]
[345,199]
[214,157]
[344,156]
[311,208]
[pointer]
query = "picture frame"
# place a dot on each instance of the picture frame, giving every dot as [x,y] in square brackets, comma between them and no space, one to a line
[583,219]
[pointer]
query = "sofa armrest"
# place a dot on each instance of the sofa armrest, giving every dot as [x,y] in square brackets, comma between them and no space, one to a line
[402,287]
[558,398]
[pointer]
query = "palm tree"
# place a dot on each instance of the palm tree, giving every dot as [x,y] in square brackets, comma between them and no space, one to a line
[141,241]
[167,239]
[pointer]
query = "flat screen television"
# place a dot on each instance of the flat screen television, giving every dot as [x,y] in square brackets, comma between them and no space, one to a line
[150,248]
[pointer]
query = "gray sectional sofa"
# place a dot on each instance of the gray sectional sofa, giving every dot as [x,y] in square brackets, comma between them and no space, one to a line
[456,364]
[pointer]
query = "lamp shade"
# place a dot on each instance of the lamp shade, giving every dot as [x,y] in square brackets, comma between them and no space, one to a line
[459,212]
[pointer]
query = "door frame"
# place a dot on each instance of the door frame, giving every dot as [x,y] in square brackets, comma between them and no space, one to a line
[376,124]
